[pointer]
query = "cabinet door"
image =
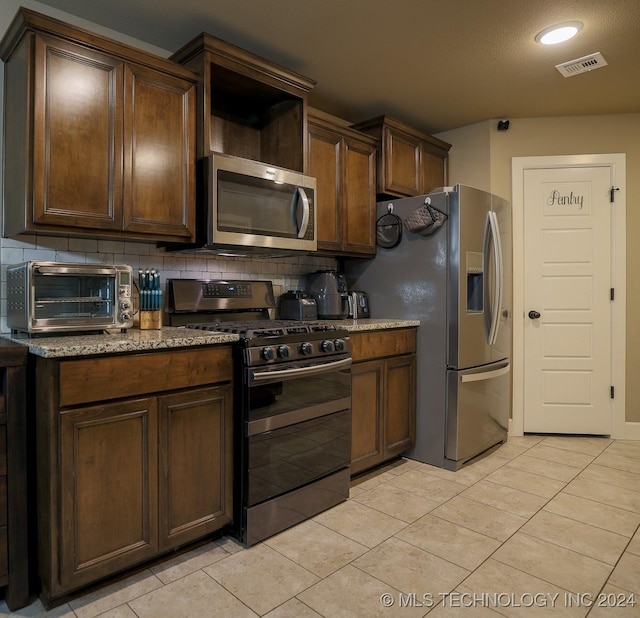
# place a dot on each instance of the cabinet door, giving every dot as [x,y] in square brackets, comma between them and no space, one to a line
[324,163]
[366,415]
[401,163]
[196,458]
[400,404]
[108,489]
[433,170]
[159,154]
[359,198]
[77,136]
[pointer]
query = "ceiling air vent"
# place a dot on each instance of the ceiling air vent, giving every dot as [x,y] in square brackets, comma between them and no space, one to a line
[582,65]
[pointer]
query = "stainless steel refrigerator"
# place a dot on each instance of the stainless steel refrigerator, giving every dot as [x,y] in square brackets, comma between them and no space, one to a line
[456,279]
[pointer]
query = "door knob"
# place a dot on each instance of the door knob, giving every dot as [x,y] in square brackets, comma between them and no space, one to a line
[534,315]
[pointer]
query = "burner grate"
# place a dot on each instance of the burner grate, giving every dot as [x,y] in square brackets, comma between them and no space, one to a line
[264,328]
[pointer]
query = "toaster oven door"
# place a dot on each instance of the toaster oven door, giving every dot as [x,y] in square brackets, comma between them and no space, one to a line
[67,298]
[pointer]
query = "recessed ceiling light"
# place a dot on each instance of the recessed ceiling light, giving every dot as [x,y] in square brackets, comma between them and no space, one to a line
[559,33]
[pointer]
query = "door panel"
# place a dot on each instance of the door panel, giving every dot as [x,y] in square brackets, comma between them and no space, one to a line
[402,163]
[108,489]
[159,181]
[77,126]
[325,152]
[196,455]
[359,195]
[366,415]
[467,221]
[477,410]
[400,405]
[567,350]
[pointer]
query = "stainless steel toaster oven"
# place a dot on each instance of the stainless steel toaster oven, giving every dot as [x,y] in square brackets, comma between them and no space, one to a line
[55,297]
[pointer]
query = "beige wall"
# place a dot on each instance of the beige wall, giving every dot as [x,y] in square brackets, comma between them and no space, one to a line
[481,156]
[470,155]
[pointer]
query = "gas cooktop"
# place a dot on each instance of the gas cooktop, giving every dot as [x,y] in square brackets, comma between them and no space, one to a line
[251,329]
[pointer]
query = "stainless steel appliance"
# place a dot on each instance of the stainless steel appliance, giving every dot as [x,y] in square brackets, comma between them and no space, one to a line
[455,277]
[297,305]
[358,305]
[54,297]
[247,207]
[293,403]
[329,288]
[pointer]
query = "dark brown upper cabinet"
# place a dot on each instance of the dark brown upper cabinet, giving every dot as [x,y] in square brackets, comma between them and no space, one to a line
[99,137]
[409,162]
[247,106]
[343,162]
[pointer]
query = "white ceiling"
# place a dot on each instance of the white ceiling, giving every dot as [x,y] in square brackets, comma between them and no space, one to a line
[435,64]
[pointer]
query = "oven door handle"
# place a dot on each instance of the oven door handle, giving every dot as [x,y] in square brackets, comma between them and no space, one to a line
[300,371]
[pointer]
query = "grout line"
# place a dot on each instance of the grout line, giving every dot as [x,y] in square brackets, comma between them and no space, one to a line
[624,551]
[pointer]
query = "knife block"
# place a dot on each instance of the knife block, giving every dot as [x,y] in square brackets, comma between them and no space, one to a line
[150,320]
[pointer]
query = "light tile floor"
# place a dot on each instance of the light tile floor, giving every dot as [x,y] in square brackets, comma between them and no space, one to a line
[544,525]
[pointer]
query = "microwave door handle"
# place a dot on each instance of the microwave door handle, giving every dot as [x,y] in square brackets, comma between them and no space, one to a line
[305,211]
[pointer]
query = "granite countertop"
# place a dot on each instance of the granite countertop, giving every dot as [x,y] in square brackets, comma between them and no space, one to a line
[135,340]
[365,324]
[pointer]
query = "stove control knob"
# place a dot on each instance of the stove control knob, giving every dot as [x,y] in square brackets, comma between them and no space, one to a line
[306,348]
[326,346]
[268,353]
[283,351]
[339,345]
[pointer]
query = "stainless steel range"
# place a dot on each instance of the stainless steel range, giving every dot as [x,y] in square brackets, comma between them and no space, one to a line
[292,403]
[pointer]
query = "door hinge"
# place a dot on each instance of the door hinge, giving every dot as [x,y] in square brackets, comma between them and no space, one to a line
[613,392]
[612,294]
[612,194]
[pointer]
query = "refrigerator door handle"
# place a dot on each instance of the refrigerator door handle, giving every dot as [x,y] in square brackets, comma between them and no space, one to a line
[485,375]
[492,235]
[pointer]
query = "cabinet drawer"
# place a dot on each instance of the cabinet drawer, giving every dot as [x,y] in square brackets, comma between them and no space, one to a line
[112,377]
[378,344]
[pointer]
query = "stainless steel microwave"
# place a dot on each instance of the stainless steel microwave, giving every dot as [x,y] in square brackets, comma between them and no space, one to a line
[55,297]
[248,207]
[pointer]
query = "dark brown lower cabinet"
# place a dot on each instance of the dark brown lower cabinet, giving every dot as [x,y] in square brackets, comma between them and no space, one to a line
[383,400]
[367,401]
[400,404]
[195,448]
[131,478]
[14,541]
[108,489]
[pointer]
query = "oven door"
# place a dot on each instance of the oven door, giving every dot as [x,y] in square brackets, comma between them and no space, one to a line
[64,297]
[297,428]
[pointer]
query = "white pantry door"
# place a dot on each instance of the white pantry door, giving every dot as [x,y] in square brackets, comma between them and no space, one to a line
[567,257]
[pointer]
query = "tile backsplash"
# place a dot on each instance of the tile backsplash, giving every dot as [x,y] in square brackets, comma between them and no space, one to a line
[285,273]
